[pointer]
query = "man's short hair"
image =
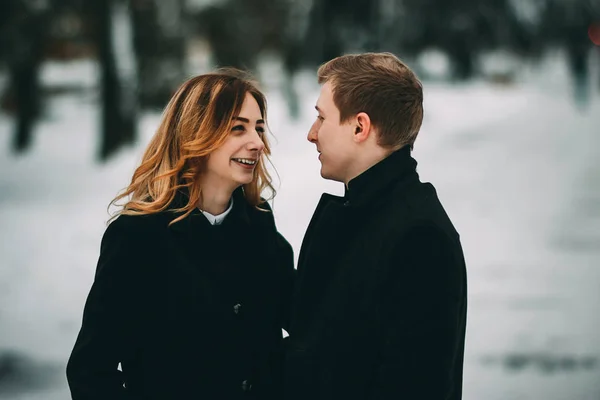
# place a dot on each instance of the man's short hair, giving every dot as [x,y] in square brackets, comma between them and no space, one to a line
[382,86]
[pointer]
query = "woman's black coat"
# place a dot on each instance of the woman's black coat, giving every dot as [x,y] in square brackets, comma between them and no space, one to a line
[189,310]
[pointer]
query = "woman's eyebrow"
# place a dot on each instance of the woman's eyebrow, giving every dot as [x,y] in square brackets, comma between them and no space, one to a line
[247,121]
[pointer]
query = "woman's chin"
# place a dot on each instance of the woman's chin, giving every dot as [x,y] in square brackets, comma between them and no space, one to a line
[242,180]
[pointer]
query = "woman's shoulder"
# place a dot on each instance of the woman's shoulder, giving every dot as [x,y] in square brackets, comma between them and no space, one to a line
[262,213]
[138,225]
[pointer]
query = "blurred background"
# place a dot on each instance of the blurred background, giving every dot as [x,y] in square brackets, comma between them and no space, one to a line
[511,140]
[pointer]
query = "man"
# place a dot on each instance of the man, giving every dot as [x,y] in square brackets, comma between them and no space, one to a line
[380,304]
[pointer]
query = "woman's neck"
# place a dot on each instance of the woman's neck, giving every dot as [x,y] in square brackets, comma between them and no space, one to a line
[214,198]
[213,201]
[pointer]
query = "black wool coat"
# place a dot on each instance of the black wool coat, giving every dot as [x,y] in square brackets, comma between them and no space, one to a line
[379,310]
[191,310]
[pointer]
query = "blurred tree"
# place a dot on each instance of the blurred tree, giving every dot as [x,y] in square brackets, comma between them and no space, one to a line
[292,46]
[593,9]
[240,31]
[22,29]
[118,121]
[159,41]
[460,28]
[337,26]
[565,23]
[233,33]
[68,34]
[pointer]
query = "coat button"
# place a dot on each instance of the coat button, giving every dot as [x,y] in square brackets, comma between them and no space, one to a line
[246,386]
[237,308]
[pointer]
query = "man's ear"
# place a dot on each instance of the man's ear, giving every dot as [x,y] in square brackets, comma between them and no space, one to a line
[363,127]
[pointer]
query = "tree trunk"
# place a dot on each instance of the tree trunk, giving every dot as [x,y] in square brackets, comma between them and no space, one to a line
[159,44]
[23,41]
[118,110]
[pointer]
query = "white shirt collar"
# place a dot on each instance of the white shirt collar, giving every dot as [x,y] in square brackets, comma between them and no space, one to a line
[218,219]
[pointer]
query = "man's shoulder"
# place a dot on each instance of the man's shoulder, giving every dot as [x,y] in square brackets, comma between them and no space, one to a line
[419,206]
[420,197]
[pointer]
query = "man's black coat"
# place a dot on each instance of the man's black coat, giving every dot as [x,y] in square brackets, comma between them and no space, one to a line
[379,309]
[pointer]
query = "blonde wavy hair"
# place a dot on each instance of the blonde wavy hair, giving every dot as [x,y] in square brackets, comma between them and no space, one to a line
[196,122]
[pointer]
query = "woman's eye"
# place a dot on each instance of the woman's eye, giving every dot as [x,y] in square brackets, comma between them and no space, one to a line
[260,130]
[238,128]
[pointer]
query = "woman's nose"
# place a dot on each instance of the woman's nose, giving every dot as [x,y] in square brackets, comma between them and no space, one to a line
[257,143]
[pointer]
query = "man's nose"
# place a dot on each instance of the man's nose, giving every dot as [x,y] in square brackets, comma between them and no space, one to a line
[312,133]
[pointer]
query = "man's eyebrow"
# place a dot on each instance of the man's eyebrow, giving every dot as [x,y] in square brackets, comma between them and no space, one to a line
[318,109]
[247,121]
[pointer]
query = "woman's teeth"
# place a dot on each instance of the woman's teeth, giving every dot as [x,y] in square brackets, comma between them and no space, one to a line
[246,161]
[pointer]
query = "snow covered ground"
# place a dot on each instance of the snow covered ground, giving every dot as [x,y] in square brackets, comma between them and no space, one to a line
[517,167]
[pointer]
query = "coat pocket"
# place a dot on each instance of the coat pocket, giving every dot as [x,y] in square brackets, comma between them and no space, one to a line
[301,373]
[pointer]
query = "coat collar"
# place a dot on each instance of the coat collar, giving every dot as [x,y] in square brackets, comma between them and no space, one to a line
[197,220]
[398,166]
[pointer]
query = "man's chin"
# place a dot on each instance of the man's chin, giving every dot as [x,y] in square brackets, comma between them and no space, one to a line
[323,173]
[328,176]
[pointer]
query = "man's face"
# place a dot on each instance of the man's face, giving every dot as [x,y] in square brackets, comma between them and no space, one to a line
[333,140]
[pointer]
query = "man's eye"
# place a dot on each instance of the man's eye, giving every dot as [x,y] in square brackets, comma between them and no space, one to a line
[320,118]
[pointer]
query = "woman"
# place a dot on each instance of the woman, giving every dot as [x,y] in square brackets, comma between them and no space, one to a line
[193,281]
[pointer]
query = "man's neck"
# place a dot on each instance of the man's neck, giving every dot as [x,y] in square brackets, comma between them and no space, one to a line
[362,164]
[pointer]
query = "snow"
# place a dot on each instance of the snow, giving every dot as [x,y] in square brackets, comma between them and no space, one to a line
[516,167]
